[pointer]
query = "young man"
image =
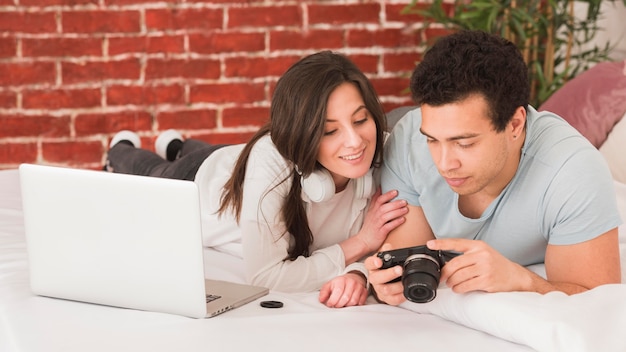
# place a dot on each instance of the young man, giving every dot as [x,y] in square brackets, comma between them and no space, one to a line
[487,175]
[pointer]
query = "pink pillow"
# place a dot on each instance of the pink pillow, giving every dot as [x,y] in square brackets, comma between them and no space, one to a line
[613,151]
[593,102]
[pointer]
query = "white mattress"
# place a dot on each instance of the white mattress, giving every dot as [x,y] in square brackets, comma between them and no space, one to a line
[32,323]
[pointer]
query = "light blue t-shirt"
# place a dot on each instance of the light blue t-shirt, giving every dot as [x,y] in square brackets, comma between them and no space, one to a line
[562,192]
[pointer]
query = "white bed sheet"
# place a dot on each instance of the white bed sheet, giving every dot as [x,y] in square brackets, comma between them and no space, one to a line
[32,323]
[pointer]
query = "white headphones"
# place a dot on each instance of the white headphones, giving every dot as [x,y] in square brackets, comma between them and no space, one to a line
[320,187]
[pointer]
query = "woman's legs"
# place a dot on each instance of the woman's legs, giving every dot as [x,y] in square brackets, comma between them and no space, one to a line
[123,157]
[192,155]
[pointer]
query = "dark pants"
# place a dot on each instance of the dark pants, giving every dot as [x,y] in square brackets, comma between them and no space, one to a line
[126,159]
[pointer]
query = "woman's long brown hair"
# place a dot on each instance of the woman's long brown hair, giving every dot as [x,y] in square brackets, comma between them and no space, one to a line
[296,126]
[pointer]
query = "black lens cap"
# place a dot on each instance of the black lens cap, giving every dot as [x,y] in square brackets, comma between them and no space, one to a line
[272,304]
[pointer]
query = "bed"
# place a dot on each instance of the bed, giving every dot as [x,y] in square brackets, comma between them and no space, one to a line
[33,323]
[473,322]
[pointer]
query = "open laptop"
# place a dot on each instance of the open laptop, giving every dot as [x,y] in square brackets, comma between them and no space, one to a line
[121,240]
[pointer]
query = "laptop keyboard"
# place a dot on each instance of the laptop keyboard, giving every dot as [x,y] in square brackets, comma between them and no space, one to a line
[210,298]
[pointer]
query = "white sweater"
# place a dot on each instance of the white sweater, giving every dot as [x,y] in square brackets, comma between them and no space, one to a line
[258,238]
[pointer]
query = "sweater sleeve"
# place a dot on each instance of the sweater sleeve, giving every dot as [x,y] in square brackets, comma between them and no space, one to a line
[265,239]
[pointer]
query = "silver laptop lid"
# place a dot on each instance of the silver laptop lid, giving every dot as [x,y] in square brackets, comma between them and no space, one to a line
[119,240]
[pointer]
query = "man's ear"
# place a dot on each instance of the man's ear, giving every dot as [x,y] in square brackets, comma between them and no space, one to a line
[518,122]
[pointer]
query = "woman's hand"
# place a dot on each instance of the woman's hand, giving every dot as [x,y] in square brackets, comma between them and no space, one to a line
[383,215]
[344,291]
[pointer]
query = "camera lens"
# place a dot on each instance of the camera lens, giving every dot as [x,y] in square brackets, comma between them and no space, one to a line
[420,288]
[420,278]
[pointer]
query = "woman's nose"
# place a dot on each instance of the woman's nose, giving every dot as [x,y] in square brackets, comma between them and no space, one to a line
[352,138]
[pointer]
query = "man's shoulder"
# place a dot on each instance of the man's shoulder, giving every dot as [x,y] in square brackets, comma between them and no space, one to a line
[550,138]
[409,121]
[406,131]
[557,155]
[396,114]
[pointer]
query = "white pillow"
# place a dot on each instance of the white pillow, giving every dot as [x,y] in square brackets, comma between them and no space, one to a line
[590,321]
[614,150]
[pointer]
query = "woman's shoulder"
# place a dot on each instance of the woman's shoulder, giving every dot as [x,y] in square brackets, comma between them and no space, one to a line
[265,148]
[265,158]
[265,141]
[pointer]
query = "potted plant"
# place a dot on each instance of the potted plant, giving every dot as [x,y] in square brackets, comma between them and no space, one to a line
[551,34]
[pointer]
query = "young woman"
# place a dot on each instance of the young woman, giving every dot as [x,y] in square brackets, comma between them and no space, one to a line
[298,201]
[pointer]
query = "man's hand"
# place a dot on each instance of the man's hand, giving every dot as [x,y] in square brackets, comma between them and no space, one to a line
[390,293]
[571,268]
[480,268]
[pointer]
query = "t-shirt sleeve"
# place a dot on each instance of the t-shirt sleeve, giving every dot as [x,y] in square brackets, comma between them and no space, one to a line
[397,170]
[580,201]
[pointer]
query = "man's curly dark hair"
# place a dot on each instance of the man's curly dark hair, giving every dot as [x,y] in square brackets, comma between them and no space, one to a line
[470,62]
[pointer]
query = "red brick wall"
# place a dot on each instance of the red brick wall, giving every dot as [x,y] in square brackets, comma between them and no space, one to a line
[74,72]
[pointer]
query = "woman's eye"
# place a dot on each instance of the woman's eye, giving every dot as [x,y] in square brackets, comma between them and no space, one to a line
[329,133]
[361,121]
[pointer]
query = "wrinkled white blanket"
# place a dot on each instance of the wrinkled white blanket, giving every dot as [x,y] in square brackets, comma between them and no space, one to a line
[591,321]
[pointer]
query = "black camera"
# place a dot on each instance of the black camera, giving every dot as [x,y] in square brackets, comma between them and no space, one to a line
[421,269]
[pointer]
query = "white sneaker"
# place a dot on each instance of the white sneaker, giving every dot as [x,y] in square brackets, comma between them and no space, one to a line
[126,135]
[164,147]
